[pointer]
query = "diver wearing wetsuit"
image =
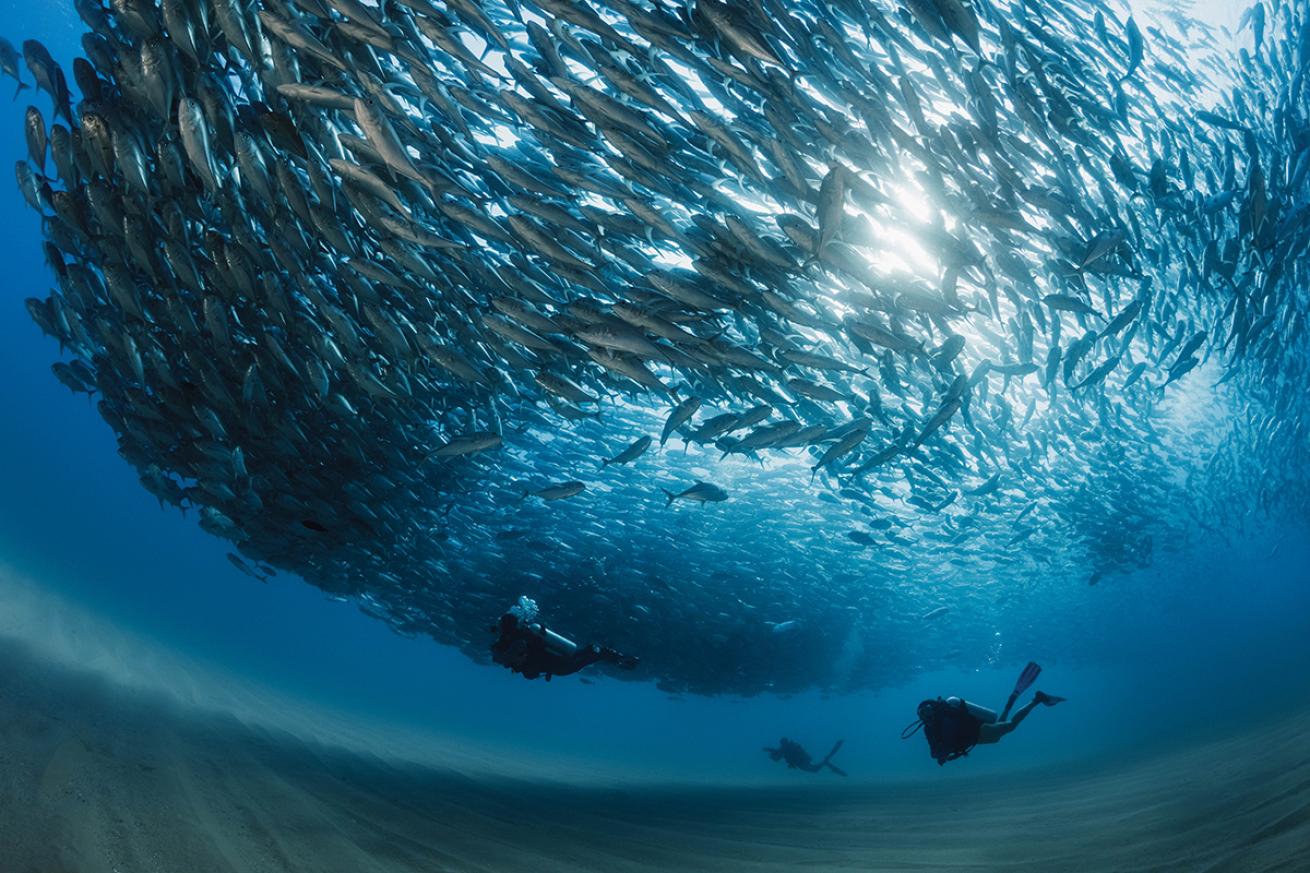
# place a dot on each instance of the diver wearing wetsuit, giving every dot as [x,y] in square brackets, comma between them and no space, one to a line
[799,759]
[533,650]
[954,726]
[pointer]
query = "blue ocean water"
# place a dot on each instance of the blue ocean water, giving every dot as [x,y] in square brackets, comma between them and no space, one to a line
[1208,638]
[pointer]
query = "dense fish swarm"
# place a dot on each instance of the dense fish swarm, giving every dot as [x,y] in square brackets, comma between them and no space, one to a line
[439,302]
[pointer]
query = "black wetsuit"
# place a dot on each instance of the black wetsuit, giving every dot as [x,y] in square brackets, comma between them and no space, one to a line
[523,649]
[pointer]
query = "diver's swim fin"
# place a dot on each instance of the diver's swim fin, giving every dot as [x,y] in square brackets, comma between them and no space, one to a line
[1026,679]
[827,761]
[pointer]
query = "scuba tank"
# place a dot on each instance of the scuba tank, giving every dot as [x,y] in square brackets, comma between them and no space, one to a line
[555,643]
[982,713]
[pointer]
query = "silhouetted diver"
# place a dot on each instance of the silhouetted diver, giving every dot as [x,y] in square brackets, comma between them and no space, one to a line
[533,650]
[954,726]
[799,759]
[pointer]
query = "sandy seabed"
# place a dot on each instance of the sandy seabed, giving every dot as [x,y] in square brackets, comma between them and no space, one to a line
[97,778]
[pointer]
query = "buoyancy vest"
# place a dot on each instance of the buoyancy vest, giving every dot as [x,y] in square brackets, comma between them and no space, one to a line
[950,728]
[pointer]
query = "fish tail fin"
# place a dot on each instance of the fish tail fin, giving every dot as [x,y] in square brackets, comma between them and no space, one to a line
[526,494]
[22,86]
[670,497]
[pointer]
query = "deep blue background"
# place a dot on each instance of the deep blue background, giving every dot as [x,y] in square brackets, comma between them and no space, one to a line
[74,518]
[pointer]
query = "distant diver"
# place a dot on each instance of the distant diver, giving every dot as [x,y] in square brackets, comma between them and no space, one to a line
[530,648]
[799,759]
[954,726]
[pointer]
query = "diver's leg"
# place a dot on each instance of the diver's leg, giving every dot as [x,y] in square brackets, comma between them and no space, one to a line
[828,757]
[1022,713]
[613,656]
[584,656]
[992,732]
[827,760]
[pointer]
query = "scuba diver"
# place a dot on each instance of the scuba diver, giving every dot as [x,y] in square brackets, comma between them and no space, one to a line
[954,726]
[799,759]
[528,647]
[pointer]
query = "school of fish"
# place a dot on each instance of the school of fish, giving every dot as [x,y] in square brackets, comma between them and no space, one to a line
[742,335]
